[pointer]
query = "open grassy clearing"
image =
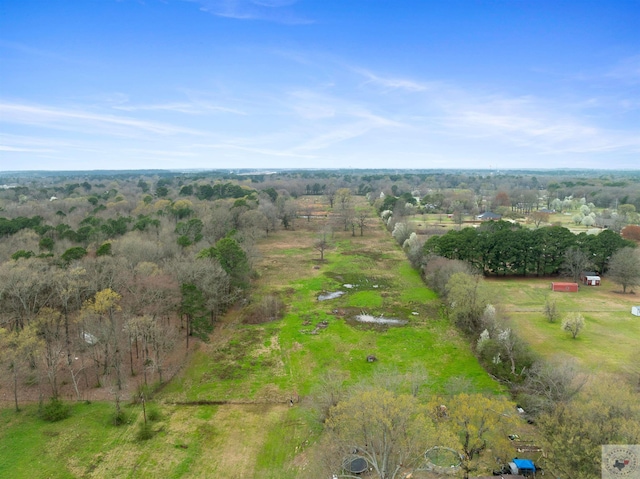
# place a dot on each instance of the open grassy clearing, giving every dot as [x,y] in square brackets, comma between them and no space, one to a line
[248,373]
[272,362]
[30,447]
[440,221]
[610,340]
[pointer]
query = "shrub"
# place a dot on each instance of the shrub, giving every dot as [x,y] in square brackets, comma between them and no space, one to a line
[270,308]
[118,418]
[55,410]
[145,432]
[574,323]
[104,250]
[551,310]
[75,253]
[22,254]
[153,412]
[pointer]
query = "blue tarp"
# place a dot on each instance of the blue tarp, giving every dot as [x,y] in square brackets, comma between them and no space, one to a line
[525,465]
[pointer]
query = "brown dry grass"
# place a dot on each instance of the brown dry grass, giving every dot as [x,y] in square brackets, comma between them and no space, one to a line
[245,430]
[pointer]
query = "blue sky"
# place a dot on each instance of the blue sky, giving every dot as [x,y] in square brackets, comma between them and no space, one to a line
[108,84]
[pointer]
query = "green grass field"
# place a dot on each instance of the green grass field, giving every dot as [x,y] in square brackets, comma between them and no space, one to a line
[610,341]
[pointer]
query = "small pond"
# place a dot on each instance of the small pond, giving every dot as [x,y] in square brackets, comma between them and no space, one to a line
[367,318]
[333,295]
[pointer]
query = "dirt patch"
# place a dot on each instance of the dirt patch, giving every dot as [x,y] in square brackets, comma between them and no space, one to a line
[373,255]
[273,345]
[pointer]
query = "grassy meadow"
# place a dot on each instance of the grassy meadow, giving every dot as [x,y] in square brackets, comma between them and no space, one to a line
[227,413]
[430,221]
[610,340]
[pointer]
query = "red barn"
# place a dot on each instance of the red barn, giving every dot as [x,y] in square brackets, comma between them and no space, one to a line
[564,287]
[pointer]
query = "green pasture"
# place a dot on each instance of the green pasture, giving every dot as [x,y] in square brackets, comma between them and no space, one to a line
[610,340]
[31,447]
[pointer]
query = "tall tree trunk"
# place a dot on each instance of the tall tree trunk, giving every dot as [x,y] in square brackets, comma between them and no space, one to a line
[188,326]
[15,386]
[131,357]
[67,338]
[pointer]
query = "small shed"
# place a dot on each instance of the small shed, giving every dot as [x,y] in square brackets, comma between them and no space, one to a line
[564,287]
[584,274]
[591,280]
[635,310]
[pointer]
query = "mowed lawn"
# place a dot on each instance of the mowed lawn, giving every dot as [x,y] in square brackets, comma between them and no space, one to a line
[610,341]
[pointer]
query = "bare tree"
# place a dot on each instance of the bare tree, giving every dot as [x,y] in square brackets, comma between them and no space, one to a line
[50,327]
[362,218]
[330,195]
[539,217]
[575,262]
[551,310]
[76,367]
[70,290]
[323,242]
[270,212]
[550,383]
[254,220]
[24,290]
[624,268]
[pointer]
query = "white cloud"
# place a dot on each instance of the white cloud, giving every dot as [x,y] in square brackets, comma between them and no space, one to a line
[85,121]
[534,124]
[38,52]
[395,83]
[530,122]
[627,70]
[180,107]
[23,150]
[261,151]
[273,3]
[277,11]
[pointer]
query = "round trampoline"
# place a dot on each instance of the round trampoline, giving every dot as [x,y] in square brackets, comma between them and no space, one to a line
[355,465]
[440,459]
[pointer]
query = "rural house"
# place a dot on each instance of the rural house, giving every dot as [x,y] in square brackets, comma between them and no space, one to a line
[488,216]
